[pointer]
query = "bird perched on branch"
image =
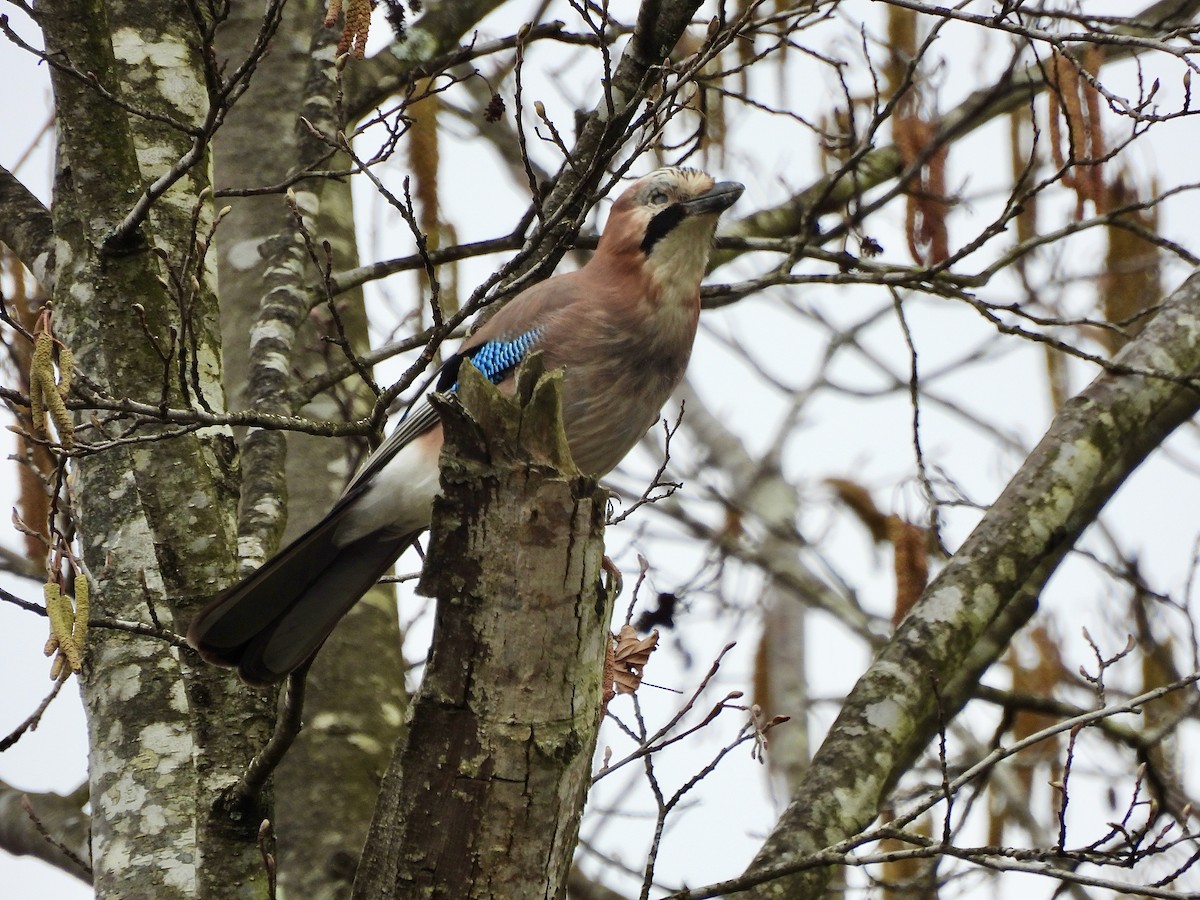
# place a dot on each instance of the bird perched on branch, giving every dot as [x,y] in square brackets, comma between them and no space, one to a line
[621,327]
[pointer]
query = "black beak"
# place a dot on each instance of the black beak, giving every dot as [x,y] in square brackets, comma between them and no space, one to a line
[720,198]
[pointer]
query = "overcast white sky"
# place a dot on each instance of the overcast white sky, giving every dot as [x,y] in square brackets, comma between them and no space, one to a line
[869,441]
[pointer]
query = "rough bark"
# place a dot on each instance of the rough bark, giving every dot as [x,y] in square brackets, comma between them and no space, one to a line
[155,520]
[506,720]
[986,592]
[27,228]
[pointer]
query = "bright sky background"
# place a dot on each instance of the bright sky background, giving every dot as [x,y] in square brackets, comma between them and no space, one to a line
[870,441]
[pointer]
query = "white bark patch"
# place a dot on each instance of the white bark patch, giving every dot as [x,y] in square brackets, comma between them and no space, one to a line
[251,551]
[1158,359]
[852,804]
[125,682]
[270,329]
[178,699]
[245,255]
[165,747]
[208,366]
[127,794]
[338,468]
[82,293]
[63,255]
[887,715]
[1006,568]
[366,743]
[127,482]
[117,855]
[180,874]
[940,606]
[41,263]
[1077,463]
[325,722]
[212,431]
[1074,468]
[268,506]
[159,158]
[154,819]
[276,361]
[168,61]
[137,549]
[418,46]
[391,714]
[308,203]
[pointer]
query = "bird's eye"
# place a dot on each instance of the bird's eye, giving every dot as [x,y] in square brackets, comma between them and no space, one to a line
[659,198]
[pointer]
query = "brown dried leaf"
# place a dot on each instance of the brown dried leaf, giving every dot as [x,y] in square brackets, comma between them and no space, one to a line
[911,564]
[1075,102]
[901,45]
[630,655]
[610,674]
[928,206]
[35,462]
[1129,285]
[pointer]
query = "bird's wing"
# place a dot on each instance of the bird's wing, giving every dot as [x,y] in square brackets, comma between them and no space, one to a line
[420,418]
[496,349]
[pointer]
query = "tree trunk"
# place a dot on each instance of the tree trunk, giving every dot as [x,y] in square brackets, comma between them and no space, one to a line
[345,737]
[156,526]
[506,719]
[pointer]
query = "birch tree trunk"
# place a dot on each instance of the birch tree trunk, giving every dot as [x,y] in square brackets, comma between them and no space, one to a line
[343,734]
[167,734]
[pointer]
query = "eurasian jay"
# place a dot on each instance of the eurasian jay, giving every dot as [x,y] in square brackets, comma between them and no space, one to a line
[621,327]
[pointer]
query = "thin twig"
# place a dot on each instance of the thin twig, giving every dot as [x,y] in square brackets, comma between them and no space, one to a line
[31,723]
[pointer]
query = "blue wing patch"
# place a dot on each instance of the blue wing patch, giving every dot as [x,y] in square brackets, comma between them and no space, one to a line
[496,359]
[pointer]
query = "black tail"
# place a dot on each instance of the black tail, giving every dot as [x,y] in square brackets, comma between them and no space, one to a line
[274,620]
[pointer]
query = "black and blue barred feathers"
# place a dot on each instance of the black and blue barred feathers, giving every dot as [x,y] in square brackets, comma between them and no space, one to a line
[495,359]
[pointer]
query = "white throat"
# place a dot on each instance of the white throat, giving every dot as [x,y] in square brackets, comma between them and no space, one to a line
[678,260]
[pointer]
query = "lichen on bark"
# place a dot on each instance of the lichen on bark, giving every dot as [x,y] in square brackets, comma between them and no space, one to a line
[986,592]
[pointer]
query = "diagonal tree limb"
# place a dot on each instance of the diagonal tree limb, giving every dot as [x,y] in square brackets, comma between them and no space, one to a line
[27,229]
[988,589]
[796,215]
[373,81]
[62,817]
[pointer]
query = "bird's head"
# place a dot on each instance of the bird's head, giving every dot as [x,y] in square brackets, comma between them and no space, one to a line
[666,221]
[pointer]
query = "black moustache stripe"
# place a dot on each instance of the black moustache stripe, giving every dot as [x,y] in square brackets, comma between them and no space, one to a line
[660,226]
